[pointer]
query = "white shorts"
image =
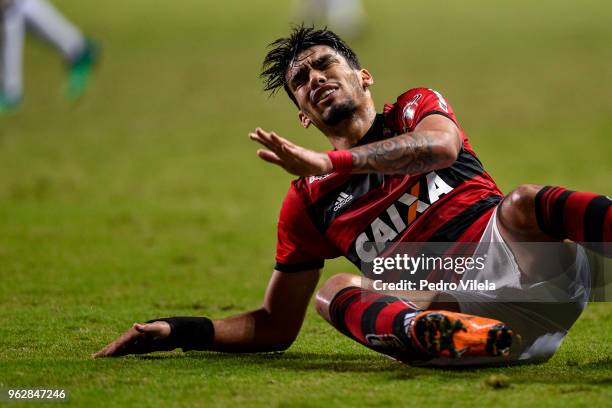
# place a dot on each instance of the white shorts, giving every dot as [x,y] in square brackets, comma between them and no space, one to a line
[541,313]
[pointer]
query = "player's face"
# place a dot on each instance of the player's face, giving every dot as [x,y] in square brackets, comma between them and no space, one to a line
[327,89]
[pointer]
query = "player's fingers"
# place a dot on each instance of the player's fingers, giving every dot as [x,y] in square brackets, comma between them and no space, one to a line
[286,150]
[284,141]
[111,348]
[296,153]
[293,150]
[141,328]
[263,135]
[107,351]
[156,329]
[265,141]
[281,141]
[262,142]
[273,138]
[115,348]
[255,136]
[269,156]
[275,145]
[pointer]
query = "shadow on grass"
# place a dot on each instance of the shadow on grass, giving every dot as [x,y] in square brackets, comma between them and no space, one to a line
[595,373]
[296,361]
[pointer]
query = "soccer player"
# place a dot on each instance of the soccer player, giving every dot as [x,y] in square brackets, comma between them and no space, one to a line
[79,53]
[408,174]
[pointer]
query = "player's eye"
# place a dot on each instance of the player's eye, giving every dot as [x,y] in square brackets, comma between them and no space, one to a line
[324,63]
[299,80]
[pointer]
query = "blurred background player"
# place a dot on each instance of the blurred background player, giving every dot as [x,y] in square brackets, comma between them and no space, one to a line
[79,52]
[346,17]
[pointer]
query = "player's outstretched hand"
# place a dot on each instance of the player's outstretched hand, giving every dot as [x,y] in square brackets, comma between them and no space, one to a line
[139,339]
[291,157]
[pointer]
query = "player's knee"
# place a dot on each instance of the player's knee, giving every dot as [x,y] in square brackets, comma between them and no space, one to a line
[330,288]
[517,210]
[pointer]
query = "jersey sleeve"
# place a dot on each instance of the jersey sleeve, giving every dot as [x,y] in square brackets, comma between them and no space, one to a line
[300,246]
[416,104]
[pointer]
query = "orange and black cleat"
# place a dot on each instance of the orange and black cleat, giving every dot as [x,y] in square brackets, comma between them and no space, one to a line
[442,333]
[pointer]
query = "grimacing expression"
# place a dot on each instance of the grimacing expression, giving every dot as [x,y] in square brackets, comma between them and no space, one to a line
[326,88]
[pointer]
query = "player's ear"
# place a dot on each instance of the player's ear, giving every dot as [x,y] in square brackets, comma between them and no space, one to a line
[305,120]
[366,78]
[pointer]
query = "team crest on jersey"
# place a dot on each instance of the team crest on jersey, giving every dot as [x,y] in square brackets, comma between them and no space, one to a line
[312,179]
[410,110]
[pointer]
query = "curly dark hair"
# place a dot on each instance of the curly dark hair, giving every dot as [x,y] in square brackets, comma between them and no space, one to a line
[285,50]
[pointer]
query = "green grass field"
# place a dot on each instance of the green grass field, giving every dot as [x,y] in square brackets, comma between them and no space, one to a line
[146,198]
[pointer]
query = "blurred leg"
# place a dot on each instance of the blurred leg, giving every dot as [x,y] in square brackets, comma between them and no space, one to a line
[54,27]
[345,16]
[310,12]
[11,51]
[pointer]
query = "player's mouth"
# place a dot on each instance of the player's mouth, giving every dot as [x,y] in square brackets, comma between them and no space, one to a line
[323,94]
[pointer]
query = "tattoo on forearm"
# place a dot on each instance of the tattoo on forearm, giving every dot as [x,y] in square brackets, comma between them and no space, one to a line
[405,154]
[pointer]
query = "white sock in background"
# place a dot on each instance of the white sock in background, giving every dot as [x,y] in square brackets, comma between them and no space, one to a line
[346,17]
[11,49]
[54,27]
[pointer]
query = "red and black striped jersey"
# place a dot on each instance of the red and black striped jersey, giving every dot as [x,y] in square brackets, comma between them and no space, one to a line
[332,215]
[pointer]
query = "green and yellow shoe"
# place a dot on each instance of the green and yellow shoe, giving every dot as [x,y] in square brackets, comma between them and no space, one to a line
[7,104]
[80,70]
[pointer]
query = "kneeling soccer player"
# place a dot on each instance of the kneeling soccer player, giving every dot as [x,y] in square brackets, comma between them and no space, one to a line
[408,174]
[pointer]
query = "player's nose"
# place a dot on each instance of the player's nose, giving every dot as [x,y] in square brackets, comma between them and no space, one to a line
[317,78]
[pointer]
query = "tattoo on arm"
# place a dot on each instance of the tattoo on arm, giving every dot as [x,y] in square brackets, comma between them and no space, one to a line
[411,153]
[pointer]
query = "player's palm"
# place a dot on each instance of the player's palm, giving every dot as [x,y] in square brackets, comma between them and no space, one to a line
[139,339]
[303,162]
[291,157]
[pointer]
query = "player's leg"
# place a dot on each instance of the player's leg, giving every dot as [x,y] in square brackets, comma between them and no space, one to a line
[54,27]
[310,12]
[534,213]
[11,55]
[425,300]
[542,284]
[79,52]
[403,330]
[345,17]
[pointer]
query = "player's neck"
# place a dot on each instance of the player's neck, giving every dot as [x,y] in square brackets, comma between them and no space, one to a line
[350,131]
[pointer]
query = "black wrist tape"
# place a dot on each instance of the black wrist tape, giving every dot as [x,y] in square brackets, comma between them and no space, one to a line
[188,333]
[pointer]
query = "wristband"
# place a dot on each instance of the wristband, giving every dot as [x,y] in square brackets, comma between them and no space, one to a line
[188,333]
[342,160]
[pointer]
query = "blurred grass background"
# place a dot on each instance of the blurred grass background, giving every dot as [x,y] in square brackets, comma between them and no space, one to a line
[146,197]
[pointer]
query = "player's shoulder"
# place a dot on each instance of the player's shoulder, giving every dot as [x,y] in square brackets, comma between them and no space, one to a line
[413,105]
[417,94]
[414,91]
